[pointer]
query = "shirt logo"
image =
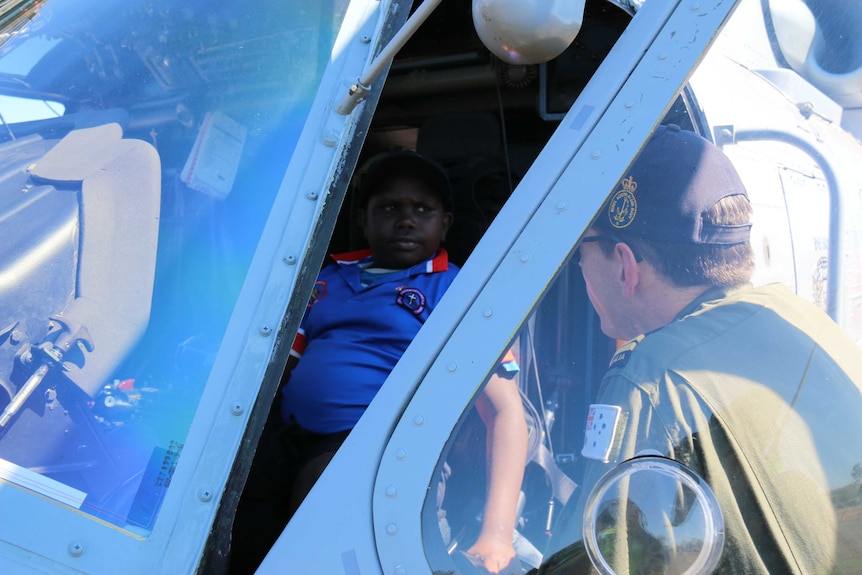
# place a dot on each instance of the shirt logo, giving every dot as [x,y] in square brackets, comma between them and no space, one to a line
[411,299]
[623,206]
[317,292]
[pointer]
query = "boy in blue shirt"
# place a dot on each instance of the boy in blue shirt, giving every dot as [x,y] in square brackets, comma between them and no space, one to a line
[366,308]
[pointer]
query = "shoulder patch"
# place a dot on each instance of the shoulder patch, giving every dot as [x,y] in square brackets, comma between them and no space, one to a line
[623,352]
[602,422]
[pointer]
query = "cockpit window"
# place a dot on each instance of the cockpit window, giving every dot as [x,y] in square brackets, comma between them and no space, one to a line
[554,349]
[27,52]
[14,110]
[693,439]
[143,145]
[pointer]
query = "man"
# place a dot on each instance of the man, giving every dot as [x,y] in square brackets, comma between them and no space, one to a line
[750,388]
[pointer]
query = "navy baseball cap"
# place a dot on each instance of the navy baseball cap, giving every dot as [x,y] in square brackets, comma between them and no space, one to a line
[667,191]
[406,163]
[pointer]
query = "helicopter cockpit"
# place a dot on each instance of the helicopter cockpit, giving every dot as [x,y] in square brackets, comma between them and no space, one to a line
[173,174]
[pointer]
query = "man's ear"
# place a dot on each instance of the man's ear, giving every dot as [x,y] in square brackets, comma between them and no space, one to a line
[629,268]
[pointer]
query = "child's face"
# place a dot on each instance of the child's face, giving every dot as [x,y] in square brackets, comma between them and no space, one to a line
[404,222]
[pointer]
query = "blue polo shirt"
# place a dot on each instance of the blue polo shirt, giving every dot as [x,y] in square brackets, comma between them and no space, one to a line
[352,336]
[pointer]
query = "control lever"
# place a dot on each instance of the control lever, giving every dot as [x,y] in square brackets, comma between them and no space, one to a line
[49,354]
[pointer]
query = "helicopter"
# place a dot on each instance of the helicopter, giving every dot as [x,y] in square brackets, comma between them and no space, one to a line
[176,172]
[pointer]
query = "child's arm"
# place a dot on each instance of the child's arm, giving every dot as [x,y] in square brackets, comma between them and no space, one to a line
[502,412]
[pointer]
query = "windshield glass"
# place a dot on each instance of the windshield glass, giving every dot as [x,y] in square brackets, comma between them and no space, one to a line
[132,202]
[684,412]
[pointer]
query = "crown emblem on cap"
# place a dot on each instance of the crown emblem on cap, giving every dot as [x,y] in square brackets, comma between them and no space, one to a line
[623,205]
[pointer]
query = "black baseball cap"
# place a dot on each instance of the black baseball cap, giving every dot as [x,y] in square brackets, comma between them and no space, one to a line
[401,163]
[666,192]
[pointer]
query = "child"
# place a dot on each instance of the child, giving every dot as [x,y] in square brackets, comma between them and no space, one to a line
[366,308]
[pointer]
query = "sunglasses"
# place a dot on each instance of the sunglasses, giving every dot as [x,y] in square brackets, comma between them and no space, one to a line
[611,238]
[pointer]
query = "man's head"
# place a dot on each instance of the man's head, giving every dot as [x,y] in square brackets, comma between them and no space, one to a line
[680,210]
[669,190]
[405,208]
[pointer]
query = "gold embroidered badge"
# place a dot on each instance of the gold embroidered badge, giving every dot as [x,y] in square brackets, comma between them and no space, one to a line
[623,206]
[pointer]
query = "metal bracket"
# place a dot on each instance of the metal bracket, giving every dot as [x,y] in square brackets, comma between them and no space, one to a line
[362,85]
